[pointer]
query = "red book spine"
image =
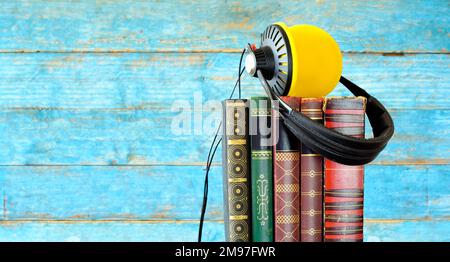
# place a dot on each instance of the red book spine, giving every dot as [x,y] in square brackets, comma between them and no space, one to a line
[311,180]
[286,156]
[344,185]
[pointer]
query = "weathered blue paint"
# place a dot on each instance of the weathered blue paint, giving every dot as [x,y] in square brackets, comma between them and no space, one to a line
[156,80]
[103,137]
[216,25]
[172,192]
[407,231]
[86,150]
[109,231]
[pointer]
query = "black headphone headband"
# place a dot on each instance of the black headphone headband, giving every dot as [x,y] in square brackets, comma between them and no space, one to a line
[331,144]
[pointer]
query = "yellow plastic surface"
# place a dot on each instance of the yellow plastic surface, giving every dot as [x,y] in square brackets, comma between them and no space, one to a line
[317,61]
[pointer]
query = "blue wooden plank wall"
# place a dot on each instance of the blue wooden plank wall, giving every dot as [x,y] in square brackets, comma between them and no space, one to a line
[88,92]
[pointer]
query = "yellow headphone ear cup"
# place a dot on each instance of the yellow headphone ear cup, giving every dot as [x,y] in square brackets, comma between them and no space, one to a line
[317,61]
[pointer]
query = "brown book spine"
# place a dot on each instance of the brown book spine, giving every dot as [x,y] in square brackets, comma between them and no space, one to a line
[311,180]
[286,152]
[236,170]
[344,185]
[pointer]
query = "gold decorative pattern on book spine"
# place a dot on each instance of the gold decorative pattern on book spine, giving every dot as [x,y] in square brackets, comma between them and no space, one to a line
[237,171]
[311,231]
[311,193]
[311,212]
[236,103]
[287,219]
[237,161]
[288,156]
[287,188]
[238,217]
[260,112]
[311,173]
[310,154]
[237,180]
[237,141]
[262,154]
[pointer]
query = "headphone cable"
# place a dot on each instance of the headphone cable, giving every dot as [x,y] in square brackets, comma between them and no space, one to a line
[212,152]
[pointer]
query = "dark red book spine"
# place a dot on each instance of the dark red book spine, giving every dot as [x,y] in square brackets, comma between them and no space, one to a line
[286,155]
[344,185]
[311,180]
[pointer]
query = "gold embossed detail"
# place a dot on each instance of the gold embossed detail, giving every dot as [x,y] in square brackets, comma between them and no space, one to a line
[310,154]
[239,230]
[243,217]
[288,173]
[311,173]
[291,156]
[287,188]
[237,142]
[260,112]
[311,193]
[237,161]
[237,170]
[237,180]
[291,219]
[311,231]
[235,104]
[311,212]
[263,154]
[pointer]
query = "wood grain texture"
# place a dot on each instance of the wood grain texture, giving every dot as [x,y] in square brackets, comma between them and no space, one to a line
[175,193]
[381,26]
[156,81]
[405,231]
[145,137]
[112,231]
[88,91]
[408,231]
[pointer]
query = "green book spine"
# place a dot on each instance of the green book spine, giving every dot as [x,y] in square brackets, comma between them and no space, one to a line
[261,171]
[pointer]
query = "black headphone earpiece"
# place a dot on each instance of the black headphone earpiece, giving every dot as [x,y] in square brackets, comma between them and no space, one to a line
[331,144]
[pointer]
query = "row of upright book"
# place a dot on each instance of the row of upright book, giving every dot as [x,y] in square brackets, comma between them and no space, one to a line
[276,188]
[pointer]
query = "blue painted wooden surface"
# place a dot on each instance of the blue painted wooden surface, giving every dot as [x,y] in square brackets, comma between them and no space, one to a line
[159,192]
[109,25]
[86,104]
